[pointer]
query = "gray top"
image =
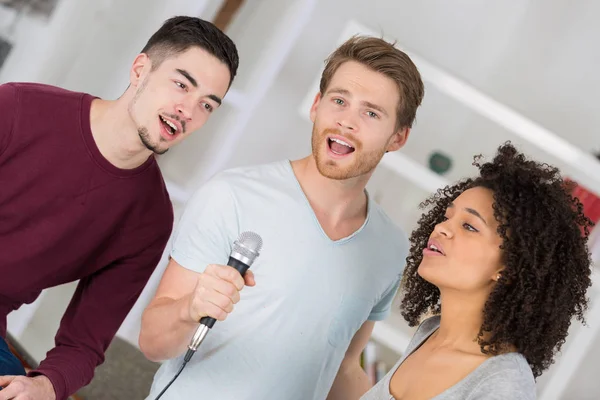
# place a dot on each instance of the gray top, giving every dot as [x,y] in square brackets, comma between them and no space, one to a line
[507,376]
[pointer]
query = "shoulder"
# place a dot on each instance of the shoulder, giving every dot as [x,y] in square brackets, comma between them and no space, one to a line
[243,181]
[222,191]
[9,98]
[37,100]
[8,90]
[428,326]
[505,376]
[29,89]
[425,329]
[255,173]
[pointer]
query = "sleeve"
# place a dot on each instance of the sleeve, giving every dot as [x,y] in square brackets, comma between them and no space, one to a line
[383,308]
[504,384]
[8,110]
[100,304]
[208,227]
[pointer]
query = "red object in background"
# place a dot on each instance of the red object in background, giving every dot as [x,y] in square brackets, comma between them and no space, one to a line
[590,201]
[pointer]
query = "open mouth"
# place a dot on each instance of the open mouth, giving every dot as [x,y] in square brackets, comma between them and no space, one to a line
[170,127]
[339,147]
[434,248]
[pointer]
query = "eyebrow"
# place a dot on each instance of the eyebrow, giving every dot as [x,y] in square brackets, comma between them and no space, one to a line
[472,212]
[345,92]
[194,83]
[215,98]
[188,77]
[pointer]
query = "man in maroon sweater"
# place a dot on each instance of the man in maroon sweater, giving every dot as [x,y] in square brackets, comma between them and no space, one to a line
[82,197]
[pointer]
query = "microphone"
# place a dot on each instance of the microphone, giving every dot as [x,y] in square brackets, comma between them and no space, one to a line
[245,250]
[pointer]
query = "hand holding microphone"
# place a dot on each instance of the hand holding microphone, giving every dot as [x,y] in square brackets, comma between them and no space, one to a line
[245,250]
[218,289]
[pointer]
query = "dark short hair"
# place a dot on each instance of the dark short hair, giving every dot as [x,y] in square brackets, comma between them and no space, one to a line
[381,56]
[178,34]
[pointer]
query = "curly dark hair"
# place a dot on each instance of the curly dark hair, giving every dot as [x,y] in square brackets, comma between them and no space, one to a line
[544,252]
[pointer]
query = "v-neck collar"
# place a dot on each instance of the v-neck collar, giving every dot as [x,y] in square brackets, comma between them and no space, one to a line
[288,164]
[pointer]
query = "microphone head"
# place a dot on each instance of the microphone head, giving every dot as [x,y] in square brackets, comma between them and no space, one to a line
[248,244]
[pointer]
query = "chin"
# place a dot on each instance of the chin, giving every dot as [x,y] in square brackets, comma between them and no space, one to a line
[160,151]
[152,145]
[339,169]
[333,171]
[429,273]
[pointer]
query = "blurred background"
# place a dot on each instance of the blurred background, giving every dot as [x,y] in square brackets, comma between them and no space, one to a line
[517,70]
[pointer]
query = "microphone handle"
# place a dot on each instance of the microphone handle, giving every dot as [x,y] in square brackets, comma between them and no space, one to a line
[241,268]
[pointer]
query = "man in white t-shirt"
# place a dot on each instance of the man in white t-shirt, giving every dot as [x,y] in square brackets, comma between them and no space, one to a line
[331,261]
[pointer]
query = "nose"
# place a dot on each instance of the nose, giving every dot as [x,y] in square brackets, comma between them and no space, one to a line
[444,229]
[346,121]
[184,109]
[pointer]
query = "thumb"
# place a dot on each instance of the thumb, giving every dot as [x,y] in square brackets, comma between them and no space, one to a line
[249,278]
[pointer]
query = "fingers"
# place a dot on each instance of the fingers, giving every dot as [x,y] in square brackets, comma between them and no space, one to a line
[227,273]
[12,390]
[232,275]
[222,286]
[6,379]
[212,310]
[216,292]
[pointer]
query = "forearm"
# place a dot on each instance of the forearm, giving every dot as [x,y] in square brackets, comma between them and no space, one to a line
[166,329]
[67,368]
[350,383]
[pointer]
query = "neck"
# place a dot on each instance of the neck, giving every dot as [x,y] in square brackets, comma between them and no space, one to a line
[116,135]
[461,320]
[342,199]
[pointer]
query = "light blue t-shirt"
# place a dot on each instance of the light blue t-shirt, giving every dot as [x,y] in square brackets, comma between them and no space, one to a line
[287,336]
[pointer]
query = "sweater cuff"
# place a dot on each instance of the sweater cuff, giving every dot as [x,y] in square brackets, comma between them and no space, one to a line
[56,378]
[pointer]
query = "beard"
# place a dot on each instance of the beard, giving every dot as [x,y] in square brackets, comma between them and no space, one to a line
[147,141]
[143,133]
[360,163]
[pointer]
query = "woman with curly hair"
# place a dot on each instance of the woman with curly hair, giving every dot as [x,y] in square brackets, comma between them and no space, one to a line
[499,265]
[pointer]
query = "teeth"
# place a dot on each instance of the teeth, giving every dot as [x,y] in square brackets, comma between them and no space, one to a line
[172,125]
[341,142]
[432,247]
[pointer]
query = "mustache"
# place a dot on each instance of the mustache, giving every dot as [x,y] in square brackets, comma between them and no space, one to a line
[333,131]
[178,119]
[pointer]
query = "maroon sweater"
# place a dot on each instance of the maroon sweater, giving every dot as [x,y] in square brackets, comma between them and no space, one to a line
[66,213]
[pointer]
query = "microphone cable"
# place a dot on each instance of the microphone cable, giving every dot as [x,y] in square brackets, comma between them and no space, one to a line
[188,357]
[245,250]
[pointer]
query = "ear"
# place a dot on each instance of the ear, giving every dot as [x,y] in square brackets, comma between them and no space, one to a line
[398,140]
[313,108]
[497,275]
[140,68]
